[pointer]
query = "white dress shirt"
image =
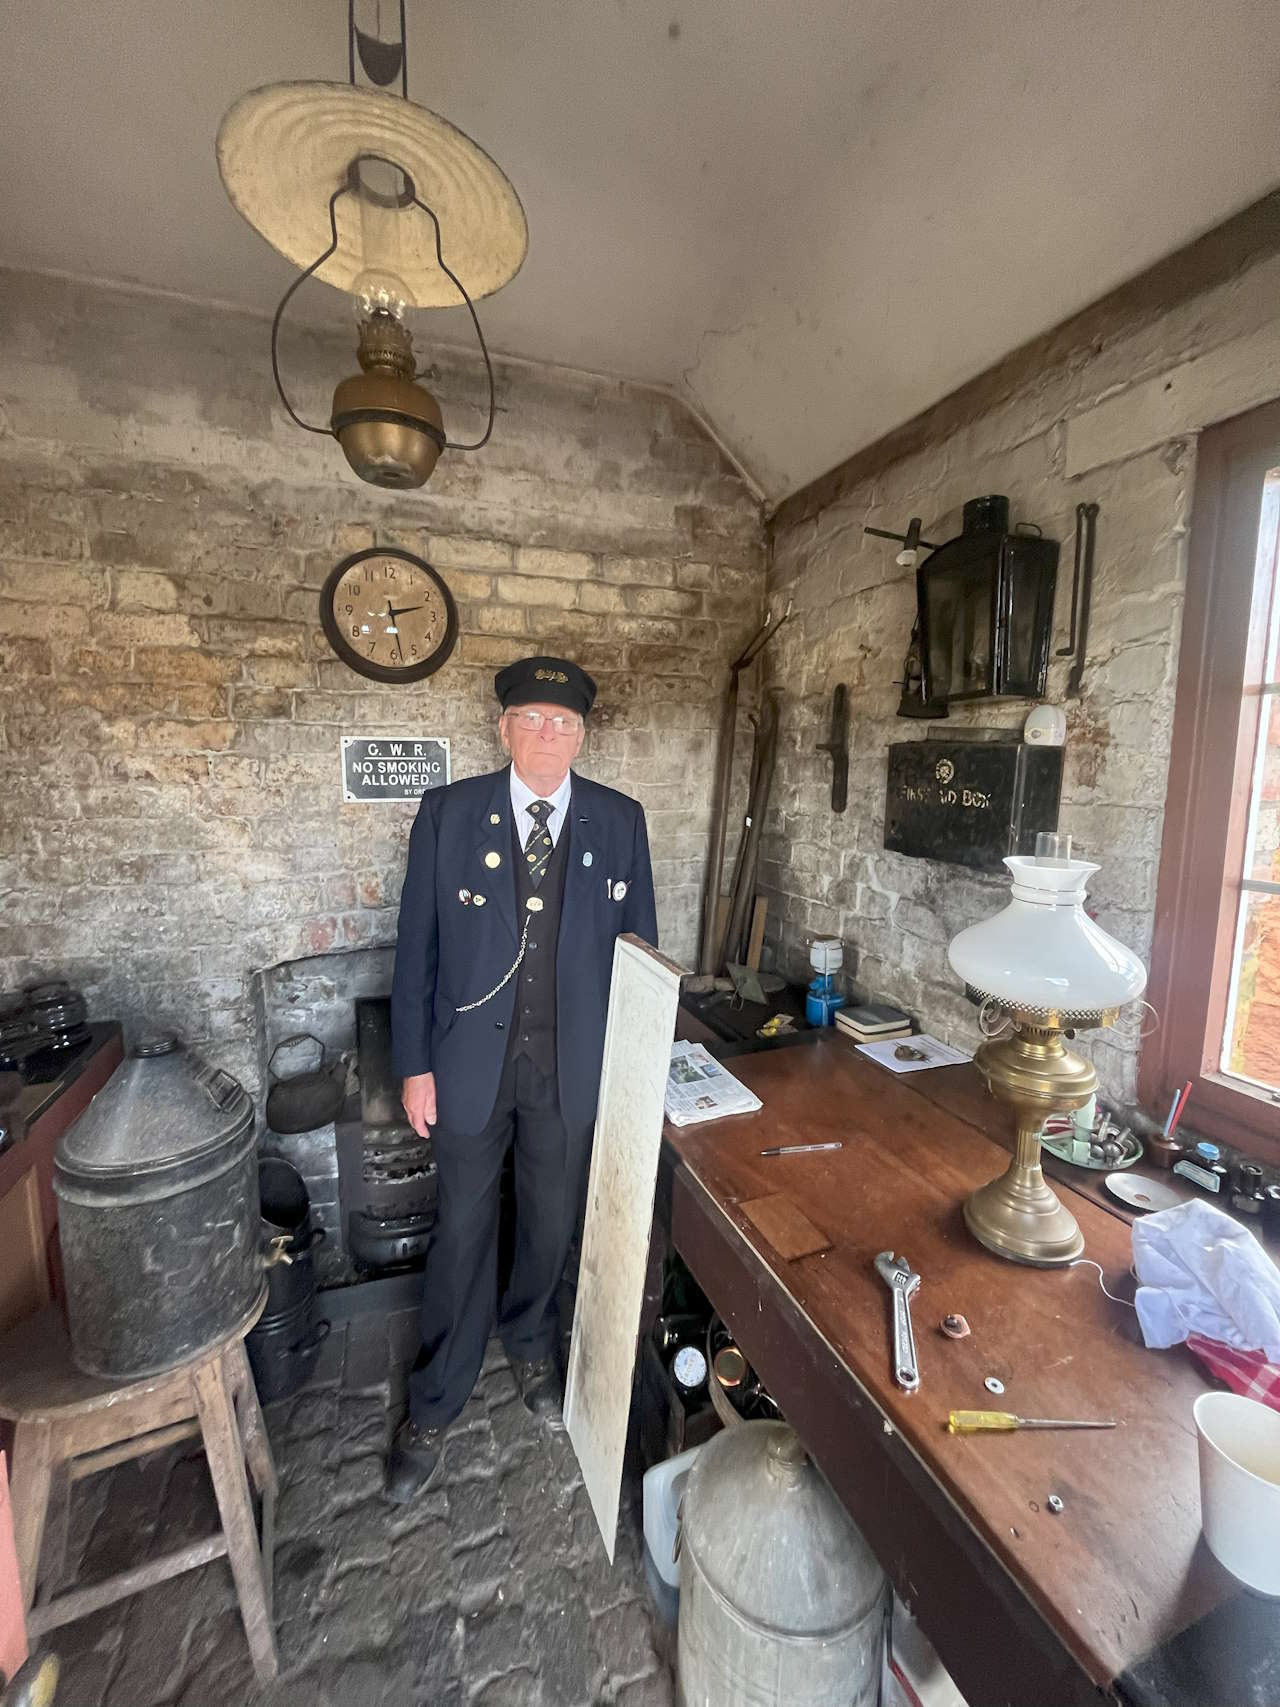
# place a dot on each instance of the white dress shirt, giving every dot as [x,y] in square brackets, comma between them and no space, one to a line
[523,796]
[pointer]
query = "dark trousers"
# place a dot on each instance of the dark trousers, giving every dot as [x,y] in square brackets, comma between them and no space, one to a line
[461,1276]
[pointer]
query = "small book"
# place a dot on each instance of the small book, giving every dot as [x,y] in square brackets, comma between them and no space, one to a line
[874,1036]
[875,1019]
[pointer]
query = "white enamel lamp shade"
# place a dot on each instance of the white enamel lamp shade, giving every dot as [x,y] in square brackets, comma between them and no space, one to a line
[1043,955]
[284,149]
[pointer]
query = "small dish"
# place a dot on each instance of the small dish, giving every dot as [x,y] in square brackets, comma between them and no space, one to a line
[1059,1138]
[1141,1192]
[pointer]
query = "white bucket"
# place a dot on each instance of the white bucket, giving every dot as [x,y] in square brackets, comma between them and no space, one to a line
[1239,1442]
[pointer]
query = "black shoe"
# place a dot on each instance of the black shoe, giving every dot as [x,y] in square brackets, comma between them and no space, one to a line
[412,1461]
[541,1387]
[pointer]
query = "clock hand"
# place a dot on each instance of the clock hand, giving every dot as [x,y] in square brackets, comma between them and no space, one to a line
[391,618]
[403,611]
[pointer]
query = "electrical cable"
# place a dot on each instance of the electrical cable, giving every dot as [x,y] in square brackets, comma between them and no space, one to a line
[1088,1262]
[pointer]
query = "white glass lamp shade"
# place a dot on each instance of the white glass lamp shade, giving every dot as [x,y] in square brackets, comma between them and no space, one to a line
[1043,955]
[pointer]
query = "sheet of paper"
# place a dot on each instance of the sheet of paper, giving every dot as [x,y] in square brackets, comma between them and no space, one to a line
[935,1052]
[643,998]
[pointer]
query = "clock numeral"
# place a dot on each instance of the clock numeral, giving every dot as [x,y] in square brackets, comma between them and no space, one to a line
[355,631]
[350,610]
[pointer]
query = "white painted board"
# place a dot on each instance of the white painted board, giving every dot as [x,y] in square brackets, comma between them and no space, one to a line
[643,997]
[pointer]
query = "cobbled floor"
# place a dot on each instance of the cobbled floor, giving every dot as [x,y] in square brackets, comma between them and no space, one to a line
[492,1590]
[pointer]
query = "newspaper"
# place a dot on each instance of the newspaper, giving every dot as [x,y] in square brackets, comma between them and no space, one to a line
[698,1088]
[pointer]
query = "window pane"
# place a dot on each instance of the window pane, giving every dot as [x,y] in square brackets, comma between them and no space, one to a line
[1268,538]
[1252,1045]
[1261,856]
[1262,850]
[1251,1040]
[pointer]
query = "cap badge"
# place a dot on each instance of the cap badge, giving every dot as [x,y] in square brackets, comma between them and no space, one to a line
[493,860]
[550,676]
[534,904]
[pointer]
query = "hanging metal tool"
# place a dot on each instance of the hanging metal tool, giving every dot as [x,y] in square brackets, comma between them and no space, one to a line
[1081,597]
[915,701]
[708,960]
[744,891]
[911,542]
[838,747]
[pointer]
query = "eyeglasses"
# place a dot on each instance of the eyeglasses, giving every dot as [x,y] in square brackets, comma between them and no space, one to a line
[562,722]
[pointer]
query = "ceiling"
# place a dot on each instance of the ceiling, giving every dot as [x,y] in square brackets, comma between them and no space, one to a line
[812,218]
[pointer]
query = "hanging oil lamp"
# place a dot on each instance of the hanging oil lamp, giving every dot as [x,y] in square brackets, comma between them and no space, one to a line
[363,189]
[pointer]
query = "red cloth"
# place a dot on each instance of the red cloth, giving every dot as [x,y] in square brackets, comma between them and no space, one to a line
[13,1633]
[1246,1372]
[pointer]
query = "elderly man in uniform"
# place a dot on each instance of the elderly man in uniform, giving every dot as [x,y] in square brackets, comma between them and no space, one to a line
[517,884]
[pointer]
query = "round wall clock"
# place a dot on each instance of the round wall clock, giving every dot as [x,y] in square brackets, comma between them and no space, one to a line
[388,615]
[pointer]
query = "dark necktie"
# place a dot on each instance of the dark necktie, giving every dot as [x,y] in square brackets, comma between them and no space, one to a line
[537,849]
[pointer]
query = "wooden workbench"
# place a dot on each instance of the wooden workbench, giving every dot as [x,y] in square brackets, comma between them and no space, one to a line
[1023,1606]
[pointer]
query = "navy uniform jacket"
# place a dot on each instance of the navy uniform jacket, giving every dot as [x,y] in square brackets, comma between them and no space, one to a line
[449,951]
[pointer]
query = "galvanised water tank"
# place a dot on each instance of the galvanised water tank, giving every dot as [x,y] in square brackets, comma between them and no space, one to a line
[781,1600]
[157,1185]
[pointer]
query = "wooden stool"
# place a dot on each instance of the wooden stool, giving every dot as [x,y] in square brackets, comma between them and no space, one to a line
[70,1424]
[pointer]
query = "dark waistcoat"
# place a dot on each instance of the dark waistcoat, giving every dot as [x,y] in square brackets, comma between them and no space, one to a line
[533,1024]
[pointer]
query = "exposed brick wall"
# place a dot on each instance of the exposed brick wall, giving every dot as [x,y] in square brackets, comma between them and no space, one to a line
[831,875]
[170,712]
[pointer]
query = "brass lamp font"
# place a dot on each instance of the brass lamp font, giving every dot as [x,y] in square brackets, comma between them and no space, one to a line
[1043,967]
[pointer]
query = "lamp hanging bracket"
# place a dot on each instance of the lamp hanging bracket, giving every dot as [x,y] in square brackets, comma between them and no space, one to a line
[382,61]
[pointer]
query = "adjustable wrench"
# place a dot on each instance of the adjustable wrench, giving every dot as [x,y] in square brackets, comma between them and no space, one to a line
[902,1281]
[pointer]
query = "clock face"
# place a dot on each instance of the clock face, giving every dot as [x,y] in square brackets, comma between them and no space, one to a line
[389,615]
[689,1366]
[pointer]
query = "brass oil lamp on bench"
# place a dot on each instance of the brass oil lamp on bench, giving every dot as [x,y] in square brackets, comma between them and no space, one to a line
[1043,966]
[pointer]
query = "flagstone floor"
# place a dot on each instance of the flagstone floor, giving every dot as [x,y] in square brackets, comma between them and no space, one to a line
[492,1590]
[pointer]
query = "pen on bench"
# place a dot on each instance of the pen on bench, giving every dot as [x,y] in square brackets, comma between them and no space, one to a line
[800,1149]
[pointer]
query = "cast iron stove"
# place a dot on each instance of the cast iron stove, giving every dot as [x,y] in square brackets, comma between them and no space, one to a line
[386,1173]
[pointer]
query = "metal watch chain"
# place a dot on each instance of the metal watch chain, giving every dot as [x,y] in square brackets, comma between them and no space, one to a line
[466,1007]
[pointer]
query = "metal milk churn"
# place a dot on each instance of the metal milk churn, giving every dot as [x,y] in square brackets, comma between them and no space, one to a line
[781,1600]
[157,1186]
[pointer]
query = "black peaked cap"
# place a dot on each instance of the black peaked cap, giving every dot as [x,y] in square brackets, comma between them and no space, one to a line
[545,681]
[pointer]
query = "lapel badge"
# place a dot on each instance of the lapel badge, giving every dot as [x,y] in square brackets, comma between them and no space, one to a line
[478,900]
[586,858]
[495,817]
[464,895]
[619,891]
[493,860]
[534,904]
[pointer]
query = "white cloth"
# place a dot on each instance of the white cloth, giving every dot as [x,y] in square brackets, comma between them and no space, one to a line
[1200,1272]
[523,796]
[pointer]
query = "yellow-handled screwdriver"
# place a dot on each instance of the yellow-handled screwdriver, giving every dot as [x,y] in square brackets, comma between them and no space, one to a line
[979,1422]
